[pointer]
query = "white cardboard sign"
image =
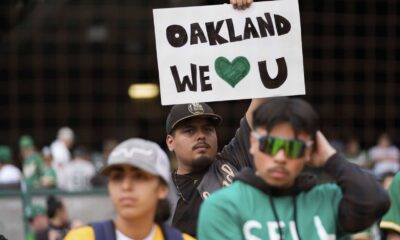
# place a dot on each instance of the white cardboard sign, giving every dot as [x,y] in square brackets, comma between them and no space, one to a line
[216,53]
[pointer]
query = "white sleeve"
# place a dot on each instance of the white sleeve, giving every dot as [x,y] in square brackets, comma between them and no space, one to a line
[10,175]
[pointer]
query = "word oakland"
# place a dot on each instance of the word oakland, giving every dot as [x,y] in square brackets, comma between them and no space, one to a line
[178,36]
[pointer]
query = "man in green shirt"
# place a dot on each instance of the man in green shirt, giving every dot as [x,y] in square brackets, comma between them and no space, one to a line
[33,164]
[276,201]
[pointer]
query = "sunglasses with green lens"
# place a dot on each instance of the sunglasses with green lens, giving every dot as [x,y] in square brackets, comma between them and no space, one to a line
[293,148]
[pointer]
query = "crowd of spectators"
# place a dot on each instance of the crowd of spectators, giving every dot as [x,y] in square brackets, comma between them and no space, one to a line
[59,165]
[381,159]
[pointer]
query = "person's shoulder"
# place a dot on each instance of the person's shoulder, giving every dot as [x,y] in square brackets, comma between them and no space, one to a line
[87,164]
[36,157]
[397,177]
[11,168]
[231,193]
[325,190]
[159,235]
[187,237]
[84,232]
[396,181]
[57,147]
[326,187]
[394,149]
[55,144]
[374,150]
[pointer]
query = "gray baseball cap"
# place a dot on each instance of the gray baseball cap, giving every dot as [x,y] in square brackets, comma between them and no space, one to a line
[143,154]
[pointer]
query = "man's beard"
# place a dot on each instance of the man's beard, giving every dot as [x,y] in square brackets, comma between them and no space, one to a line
[201,164]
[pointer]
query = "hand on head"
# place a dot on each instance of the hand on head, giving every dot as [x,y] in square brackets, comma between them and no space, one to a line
[322,151]
[241,4]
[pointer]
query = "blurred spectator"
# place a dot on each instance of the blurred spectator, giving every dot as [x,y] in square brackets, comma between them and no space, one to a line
[108,146]
[78,173]
[37,218]
[100,160]
[355,155]
[139,175]
[59,220]
[384,155]
[373,233]
[33,163]
[390,223]
[49,176]
[9,174]
[60,149]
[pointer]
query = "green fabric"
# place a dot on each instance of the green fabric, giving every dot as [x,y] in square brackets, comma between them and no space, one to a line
[5,154]
[244,212]
[49,177]
[33,168]
[391,220]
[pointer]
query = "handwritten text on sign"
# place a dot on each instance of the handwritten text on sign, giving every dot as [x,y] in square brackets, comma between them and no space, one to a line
[214,53]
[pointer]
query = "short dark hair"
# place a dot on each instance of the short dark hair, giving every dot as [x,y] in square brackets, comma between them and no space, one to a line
[297,112]
[163,211]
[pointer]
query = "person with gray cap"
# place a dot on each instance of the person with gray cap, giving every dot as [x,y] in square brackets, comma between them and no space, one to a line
[138,173]
[192,137]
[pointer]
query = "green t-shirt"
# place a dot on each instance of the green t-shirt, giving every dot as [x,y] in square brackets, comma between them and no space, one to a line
[49,177]
[33,168]
[242,211]
[391,220]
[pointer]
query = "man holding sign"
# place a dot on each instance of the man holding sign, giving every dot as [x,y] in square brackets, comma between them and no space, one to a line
[215,53]
[191,135]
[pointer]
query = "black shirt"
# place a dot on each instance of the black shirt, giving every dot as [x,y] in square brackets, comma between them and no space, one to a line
[189,199]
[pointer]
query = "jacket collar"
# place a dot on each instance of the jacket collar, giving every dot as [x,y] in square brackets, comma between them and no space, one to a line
[303,182]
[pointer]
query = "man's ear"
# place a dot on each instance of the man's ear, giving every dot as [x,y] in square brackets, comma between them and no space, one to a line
[169,140]
[162,192]
[253,141]
[309,154]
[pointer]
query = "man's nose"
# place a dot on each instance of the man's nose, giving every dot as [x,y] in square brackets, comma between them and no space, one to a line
[280,156]
[127,183]
[201,134]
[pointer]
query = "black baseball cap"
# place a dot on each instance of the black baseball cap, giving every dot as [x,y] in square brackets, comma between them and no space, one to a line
[182,112]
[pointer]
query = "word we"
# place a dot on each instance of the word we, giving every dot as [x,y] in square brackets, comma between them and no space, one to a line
[201,74]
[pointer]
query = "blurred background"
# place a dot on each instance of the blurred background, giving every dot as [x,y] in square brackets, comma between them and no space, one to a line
[71,63]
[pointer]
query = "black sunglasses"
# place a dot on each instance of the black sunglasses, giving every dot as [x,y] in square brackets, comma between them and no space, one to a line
[293,148]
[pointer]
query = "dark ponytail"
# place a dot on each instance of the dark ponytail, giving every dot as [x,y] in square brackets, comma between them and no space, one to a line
[163,211]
